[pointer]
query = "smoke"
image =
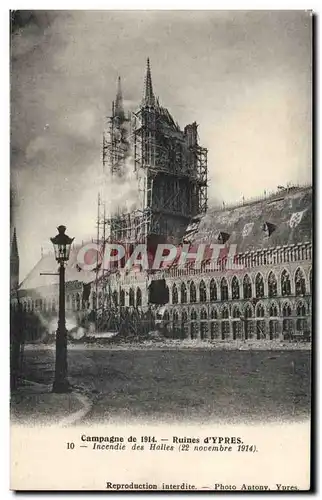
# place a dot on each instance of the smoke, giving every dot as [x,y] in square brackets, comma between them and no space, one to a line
[122,193]
[122,185]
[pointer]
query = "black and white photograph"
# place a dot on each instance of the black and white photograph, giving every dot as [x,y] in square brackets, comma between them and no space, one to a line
[161,233]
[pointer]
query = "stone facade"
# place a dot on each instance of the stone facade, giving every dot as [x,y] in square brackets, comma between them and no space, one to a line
[264,301]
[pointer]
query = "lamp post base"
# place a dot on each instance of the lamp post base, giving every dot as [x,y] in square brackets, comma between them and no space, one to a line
[61,386]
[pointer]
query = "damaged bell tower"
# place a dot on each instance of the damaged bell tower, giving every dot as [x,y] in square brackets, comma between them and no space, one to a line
[169,166]
[173,167]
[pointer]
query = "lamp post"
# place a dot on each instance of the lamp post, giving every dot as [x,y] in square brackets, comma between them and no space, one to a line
[62,244]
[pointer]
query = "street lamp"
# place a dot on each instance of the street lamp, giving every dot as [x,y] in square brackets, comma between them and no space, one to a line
[62,244]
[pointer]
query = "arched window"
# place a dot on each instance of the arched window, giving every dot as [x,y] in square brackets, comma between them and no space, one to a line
[288,323]
[203,324]
[131,297]
[260,311]
[260,323]
[193,294]
[202,291]
[235,288]
[214,314]
[183,293]
[272,285]
[184,316]
[122,297]
[166,316]
[115,298]
[247,287]
[273,329]
[224,289]
[237,327]
[193,315]
[138,297]
[273,311]
[249,323]
[214,325]
[301,321]
[225,323]
[174,294]
[203,314]
[236,312]
[300,287]
[248,312]
[225,313]
[285,283]
[177,331]
[259,286]
[287,310]
[213,290]
[300,309]
[193,324]
[184,324]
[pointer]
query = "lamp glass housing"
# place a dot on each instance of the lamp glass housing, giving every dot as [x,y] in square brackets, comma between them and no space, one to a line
[62,244]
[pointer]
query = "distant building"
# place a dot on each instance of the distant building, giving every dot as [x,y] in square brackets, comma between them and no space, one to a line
[14,262]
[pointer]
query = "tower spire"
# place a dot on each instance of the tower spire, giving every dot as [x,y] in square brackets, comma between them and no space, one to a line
[149,99]
[119,108]
[14,262]
[14,245]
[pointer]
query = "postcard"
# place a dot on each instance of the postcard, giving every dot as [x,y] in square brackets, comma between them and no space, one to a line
[161,250]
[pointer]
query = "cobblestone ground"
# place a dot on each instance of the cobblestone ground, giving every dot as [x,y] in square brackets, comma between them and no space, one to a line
[172,385]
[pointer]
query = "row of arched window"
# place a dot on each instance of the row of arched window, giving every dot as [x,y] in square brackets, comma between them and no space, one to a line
[73,302]
[273,311]
[255,325]
[212,293]
[134,298]
[49,305]
[240,290]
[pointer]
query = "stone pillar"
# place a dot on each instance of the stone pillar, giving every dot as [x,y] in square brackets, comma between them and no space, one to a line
[266,285]
[230,293]
[279,284]
[253,282]
[229,336]
[197,332]
[280,325]
[292,281]
[197,293]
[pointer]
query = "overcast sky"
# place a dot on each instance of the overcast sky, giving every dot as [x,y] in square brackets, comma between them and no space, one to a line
[245,77]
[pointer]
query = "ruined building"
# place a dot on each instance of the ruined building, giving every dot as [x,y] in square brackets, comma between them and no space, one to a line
[169,164]
[268,298]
